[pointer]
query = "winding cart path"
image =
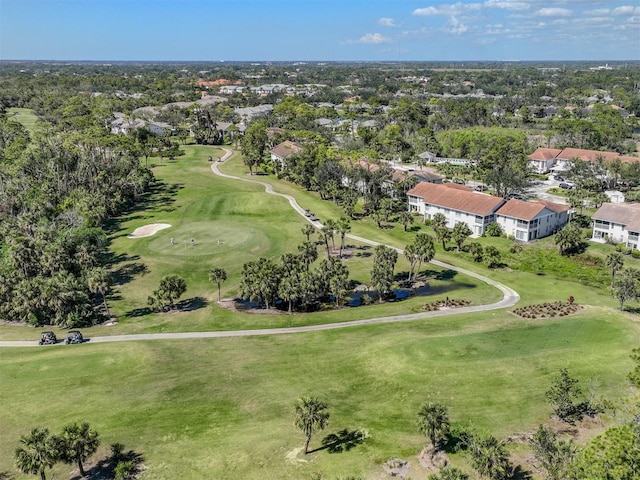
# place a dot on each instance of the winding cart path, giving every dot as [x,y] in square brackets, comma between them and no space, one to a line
[509,296]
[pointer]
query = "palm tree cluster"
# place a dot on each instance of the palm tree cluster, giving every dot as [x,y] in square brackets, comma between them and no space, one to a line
[293,280]
[40,450]
[384,262]
[422,250]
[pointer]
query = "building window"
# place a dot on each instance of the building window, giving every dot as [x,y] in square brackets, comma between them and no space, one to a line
[520,235]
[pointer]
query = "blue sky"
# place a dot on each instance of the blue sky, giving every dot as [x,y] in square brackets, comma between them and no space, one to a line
[333,30]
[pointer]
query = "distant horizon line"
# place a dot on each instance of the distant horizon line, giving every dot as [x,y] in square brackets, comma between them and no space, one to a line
[311,61]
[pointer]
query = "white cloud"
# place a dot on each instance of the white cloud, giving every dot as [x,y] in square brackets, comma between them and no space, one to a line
[506,4]
[457,27]
[598,12]
[626,10]
[596,20]
[447,10]
[552,12]
[387,22]
[373,38]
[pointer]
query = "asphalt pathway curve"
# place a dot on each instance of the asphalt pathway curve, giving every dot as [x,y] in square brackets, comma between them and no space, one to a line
[509,296]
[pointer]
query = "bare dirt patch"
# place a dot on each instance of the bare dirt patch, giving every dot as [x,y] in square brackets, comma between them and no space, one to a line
[235,305]
[148,230]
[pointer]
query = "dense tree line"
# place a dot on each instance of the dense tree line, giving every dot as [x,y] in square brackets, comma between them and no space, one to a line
[57,190]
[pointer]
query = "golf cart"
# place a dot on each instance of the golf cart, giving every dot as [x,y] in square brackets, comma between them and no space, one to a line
[74,336]
[48,338]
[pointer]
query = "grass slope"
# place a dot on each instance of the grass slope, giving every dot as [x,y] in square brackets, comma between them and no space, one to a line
[25,116]
[223,408]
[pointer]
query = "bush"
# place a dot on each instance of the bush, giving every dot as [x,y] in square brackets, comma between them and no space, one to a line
[516,248]
[635,253]
[124,470]
[366,299]
[494,230]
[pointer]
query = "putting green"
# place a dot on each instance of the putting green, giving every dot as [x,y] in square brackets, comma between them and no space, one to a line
[209,238]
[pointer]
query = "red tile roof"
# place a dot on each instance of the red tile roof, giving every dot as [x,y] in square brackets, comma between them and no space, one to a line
[556,207]
[586,155]
[444,195]
[286,148]
[545,154]
[622,213]
[528,210]
[367,165]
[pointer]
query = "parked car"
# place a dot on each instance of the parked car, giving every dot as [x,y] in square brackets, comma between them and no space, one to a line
[48,338]
[566,186]
[74,336]
[480,188]
[559,178]
[313,218]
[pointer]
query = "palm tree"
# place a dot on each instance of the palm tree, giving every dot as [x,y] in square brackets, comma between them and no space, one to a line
[449,473]
[309,253]
[331,226]
[615,262]
[489,457]
[311,415]
[307,231]
[412,256]
[443,234]
[78,442]
[99,280]
[568,238]
[36,452]
[405,219]
[343,226]
[217,275]
[433,421]
[426,249]
[325,234]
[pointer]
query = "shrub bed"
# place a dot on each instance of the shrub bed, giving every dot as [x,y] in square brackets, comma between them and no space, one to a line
[547,310]
[450,302]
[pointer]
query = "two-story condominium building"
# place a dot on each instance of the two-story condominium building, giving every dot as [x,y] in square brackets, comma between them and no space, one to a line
[457,204]
[543,159]
[528,221]
[617,222]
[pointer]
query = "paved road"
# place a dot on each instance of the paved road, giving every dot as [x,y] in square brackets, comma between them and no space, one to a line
[510,296]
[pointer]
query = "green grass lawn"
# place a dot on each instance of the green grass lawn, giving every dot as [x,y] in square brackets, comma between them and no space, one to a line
[25,116]
[223,408]
[232,222]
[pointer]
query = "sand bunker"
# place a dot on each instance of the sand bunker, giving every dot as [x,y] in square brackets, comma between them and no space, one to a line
[148,230]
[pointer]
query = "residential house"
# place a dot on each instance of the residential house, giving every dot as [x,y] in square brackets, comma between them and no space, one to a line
[527,221]
[160,128]
[428,176]
[282,151]
[617,222]
[457,203]
[543,159]
[563,158]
